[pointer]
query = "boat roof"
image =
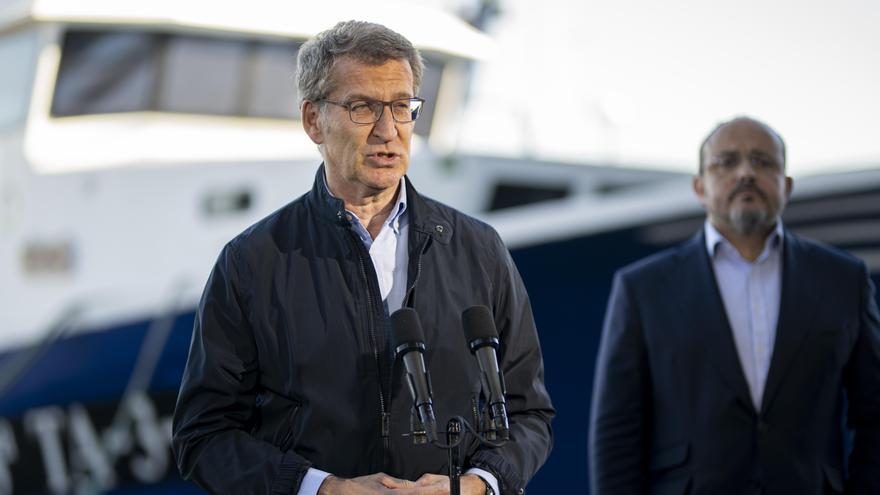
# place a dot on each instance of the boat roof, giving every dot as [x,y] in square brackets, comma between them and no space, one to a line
[429,29]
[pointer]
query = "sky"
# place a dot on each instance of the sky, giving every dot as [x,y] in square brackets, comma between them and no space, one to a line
[641,82]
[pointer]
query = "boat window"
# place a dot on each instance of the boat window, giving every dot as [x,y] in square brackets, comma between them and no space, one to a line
[18,51]
[202,75]
[273,86]
[128,71]
[220,203]
[131,71]
[509,194]
[106,73]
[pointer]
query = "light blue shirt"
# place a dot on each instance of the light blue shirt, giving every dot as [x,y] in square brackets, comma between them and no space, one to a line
[388,250]
[751,292]
[390,254]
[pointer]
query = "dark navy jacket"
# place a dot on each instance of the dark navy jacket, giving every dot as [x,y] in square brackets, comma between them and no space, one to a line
[290,365]
[671,408]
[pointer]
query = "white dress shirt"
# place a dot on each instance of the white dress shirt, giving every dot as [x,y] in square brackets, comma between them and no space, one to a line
[751,292]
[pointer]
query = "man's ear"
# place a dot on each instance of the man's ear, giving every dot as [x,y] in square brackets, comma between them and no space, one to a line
[699,188]
[311,122]
[789,186]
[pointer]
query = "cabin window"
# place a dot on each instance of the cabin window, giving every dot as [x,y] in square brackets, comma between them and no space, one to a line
[18,56]
[129,71]
[220,203]
[106,73]
[134,71]
[202,75]
[272,82]
[509,195]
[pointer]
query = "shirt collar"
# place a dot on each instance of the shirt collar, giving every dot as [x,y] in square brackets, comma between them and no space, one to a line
[715,239]
[399,209]
[396,215]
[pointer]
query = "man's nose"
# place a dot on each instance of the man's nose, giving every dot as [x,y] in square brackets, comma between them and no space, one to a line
[746,169]
[385,128]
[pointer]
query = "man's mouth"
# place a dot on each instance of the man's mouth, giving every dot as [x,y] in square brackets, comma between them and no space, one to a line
[384,158]
[747,189]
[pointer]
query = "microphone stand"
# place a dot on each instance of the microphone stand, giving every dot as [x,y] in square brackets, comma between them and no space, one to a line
[453,438]
[456,431]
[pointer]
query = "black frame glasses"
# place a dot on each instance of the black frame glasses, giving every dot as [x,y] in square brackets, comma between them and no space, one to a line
[403,110]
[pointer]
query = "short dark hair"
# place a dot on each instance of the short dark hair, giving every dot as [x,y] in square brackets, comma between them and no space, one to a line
[364,41]
[718,127]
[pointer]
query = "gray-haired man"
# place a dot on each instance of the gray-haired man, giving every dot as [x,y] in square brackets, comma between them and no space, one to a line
[291,385]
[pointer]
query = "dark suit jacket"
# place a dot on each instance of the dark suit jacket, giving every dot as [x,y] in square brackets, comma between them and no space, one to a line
[671,408]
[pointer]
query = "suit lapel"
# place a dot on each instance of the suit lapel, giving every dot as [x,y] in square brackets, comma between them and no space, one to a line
[709,320]
[795,304]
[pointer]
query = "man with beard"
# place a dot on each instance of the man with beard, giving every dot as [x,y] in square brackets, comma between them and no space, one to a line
[725,361]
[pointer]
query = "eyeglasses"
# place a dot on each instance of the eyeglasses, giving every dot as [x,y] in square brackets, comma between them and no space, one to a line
[403,111]
[728,161]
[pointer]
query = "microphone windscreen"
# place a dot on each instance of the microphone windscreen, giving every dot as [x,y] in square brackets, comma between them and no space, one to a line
[478,324]
[406,327]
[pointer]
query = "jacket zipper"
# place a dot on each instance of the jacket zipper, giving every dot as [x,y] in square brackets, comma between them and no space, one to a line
[384,415]
[478,424]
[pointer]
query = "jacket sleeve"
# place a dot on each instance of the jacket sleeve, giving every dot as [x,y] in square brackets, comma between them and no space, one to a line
[862,381]
[621,400]
[529,408]
[211,436]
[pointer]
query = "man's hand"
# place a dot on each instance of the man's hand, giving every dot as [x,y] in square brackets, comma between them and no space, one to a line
[379,483]
[434,484]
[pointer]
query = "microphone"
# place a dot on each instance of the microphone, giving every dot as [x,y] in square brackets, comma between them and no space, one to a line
[409,343]
[479,330]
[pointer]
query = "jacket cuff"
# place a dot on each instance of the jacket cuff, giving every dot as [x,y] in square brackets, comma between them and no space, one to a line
[509,479]
[291,472]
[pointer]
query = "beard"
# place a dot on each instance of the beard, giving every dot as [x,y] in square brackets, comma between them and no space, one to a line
[746,221]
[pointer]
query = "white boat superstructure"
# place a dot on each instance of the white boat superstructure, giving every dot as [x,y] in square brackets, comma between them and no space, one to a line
[137,137]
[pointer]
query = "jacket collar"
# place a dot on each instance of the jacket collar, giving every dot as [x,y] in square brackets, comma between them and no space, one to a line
[320,200]
[701,302]
[424,217]
[796,305]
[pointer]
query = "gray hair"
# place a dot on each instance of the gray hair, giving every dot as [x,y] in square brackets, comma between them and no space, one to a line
[366,42]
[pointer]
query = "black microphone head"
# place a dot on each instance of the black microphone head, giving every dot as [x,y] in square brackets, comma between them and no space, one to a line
[479,327]
[406,331]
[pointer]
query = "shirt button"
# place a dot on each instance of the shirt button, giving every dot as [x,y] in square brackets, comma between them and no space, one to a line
[439,229]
